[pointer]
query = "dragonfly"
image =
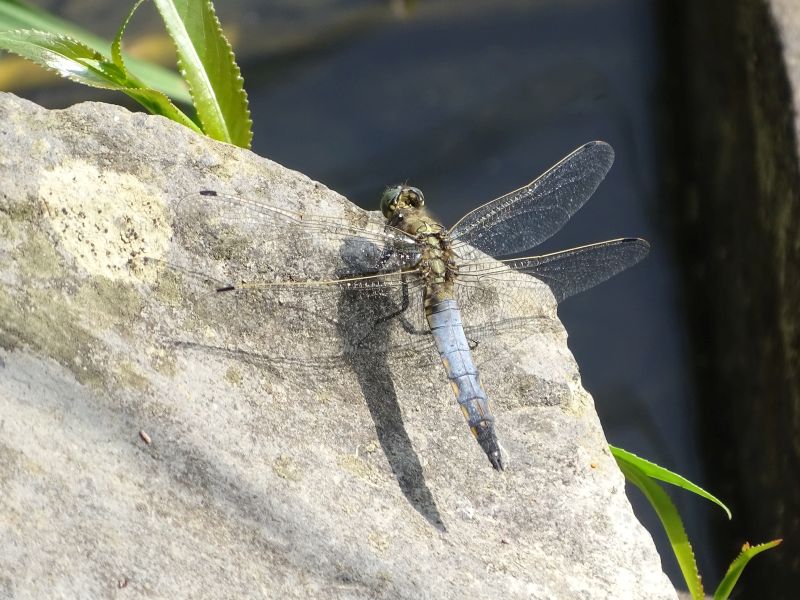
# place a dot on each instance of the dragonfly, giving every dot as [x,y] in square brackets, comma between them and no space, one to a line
[408,268]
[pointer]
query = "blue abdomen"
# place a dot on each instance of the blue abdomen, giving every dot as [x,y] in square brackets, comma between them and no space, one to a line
[444,319]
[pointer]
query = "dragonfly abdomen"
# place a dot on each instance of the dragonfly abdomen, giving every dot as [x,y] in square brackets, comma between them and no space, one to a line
[444,319]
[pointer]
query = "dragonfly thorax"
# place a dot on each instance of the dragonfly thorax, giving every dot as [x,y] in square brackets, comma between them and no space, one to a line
[438,268]
[404,210]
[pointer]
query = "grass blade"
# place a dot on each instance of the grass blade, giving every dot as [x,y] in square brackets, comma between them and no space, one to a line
[116,45]
[656,472]
[208,65]
[725,586]
[15,14]
[80,63]
[671,521]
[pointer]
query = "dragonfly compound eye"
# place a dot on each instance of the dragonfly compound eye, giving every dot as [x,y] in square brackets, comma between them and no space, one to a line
[414,196]
[389,200]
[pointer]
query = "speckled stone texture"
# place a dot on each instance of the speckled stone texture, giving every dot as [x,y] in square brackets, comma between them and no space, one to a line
[254,477]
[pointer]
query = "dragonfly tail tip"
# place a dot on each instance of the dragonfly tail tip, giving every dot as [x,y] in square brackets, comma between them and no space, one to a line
[497,460]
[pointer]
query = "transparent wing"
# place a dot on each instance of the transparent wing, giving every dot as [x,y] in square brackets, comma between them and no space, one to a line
[567,272]
[503,308]
[526,217]
[273,285]
[303,322]
[492,306]
[496,300]
[248,235]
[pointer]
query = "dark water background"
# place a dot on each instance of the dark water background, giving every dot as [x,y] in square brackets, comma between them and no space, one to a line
[469,100]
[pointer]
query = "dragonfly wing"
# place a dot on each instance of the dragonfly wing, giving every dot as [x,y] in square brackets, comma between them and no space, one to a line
[526,217]
[566,273]
[496,296]
[500,317]
[253,238]
[247,278]
[576,270]
[493,306]
[300,323]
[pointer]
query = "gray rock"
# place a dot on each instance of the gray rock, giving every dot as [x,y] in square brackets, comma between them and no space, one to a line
[144,447]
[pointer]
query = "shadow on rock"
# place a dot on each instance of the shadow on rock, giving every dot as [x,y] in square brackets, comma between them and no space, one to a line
[366,349]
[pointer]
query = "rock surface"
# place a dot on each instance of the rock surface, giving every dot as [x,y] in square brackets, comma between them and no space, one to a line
[134,462]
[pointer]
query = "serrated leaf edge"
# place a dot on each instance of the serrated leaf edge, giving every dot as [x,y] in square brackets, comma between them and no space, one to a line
[620,453]
[182,69]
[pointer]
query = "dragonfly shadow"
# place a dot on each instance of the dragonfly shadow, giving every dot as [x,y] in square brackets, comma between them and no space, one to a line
[366,353]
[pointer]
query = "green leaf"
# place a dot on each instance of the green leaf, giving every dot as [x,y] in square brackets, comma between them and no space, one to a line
[116,45]
[737,566]
[208,65]
[671,521]
[656,472]
[80,63]
[15,14]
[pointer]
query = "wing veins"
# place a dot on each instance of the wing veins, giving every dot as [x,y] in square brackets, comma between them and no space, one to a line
[373,281]
[527,216]
[566,272]
[336,226]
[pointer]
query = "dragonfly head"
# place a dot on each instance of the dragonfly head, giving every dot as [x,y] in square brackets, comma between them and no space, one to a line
[397,197]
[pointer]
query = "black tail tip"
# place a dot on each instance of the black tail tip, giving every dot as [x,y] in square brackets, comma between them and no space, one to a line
[496,459]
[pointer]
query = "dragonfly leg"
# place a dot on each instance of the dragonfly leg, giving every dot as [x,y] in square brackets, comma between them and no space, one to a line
[404,323]
[405,303]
